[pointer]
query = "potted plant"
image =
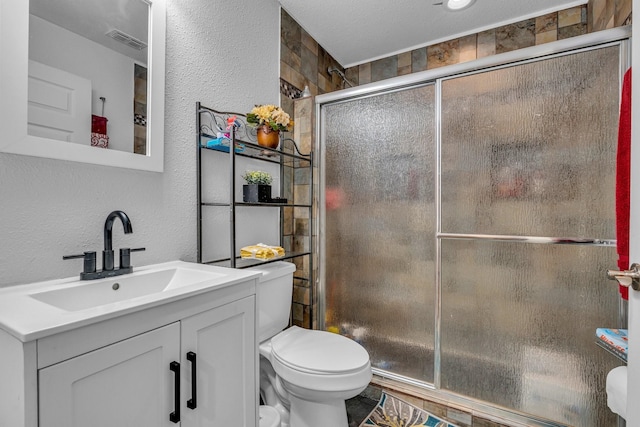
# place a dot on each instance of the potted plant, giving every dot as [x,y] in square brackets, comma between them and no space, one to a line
[257,188]
[269,120]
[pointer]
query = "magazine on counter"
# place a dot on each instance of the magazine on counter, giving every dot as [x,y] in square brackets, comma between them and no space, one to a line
[614,340]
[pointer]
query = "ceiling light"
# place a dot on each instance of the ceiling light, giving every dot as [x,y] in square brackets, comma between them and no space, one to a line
[457,4]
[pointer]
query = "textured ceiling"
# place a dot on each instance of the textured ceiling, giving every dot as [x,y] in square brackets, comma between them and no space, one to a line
[358,31]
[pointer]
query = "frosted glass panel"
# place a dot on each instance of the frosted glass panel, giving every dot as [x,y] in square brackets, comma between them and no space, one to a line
[518,327]
[524,150]
[530,149]
[380,227]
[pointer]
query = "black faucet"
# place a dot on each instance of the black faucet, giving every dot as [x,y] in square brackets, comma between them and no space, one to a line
[89,271]
[107,254]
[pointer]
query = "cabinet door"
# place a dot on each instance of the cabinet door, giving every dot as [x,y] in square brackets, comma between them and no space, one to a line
[127,384]
[224,343]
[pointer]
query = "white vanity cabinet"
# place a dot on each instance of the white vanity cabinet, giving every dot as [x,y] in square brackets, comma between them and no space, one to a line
[124,384]
[123,371]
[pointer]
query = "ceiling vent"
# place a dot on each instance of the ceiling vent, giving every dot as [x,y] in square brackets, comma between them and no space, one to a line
[127,39]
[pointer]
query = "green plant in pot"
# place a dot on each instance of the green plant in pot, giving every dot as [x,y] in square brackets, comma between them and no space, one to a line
[258,187]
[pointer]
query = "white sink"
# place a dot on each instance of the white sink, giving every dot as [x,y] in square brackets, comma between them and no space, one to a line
[41,309]
[87,294]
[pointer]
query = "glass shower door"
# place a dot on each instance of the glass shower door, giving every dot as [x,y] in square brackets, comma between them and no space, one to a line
[468,226]
[528,157]
[380,226]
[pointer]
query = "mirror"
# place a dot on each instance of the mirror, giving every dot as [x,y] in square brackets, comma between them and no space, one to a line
[55,103]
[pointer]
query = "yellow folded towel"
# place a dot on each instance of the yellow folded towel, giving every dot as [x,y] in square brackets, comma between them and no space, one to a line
[261,251]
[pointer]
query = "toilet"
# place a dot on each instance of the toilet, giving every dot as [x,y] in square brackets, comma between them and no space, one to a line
[305,375]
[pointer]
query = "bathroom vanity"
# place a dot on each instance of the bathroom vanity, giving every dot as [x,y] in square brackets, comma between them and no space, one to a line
[176,346]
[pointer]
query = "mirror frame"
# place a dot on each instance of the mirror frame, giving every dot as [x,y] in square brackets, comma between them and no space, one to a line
[14,54]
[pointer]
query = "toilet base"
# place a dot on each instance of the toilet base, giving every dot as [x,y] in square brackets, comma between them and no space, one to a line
[317,414]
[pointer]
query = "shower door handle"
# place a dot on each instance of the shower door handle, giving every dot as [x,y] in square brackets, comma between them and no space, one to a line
[627,278]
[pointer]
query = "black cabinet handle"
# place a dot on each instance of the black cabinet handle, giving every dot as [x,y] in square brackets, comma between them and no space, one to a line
[193,402]
[174,417]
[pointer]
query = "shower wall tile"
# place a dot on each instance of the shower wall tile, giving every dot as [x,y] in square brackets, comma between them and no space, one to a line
[290,33]
[303,62]
[309,65]
[595,9]
[572,31]
[546,28]
[301,295]
[468,48]
[364,73]
[309,42]
[300,217]
[324,85]
[603,14]
[441,54]
[486,43]
[569,17]
[572,22]
[289,57]
[285,71]
[325,61]
[298,80]
[384,68]
[548,22]
[546,37]
[419,59]
[404,63]
[622,13]
[595,16]
[352,75]
[516,36]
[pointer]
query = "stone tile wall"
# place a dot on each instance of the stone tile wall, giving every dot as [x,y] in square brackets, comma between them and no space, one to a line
[595,16]
[303,63]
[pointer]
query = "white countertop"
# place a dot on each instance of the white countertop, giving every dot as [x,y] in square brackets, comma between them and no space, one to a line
[28,318]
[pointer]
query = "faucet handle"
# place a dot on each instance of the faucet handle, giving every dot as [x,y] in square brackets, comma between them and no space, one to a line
[125,256]
[89,261]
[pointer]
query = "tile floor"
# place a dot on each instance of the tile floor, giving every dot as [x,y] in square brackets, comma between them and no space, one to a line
[358,408]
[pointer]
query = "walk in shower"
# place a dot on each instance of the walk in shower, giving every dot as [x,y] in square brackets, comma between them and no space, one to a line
[467,224]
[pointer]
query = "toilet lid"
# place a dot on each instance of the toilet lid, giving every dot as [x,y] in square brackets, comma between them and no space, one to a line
[318,351]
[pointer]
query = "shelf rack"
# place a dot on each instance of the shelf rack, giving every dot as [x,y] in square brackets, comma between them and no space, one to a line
[210,124]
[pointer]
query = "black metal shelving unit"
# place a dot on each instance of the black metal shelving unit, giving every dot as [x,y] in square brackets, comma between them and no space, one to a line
[209,124]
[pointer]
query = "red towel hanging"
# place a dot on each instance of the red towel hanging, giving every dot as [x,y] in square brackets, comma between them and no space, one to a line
[623,179]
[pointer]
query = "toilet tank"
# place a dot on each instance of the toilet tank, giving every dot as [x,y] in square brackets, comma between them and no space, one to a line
[275,289]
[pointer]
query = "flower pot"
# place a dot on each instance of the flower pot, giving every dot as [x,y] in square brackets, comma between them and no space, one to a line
[267,137]
[256,193]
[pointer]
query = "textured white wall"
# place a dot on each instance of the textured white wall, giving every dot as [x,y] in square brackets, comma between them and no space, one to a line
[224,54]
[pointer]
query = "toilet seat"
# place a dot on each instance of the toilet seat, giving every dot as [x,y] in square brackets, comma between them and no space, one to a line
[318,352]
